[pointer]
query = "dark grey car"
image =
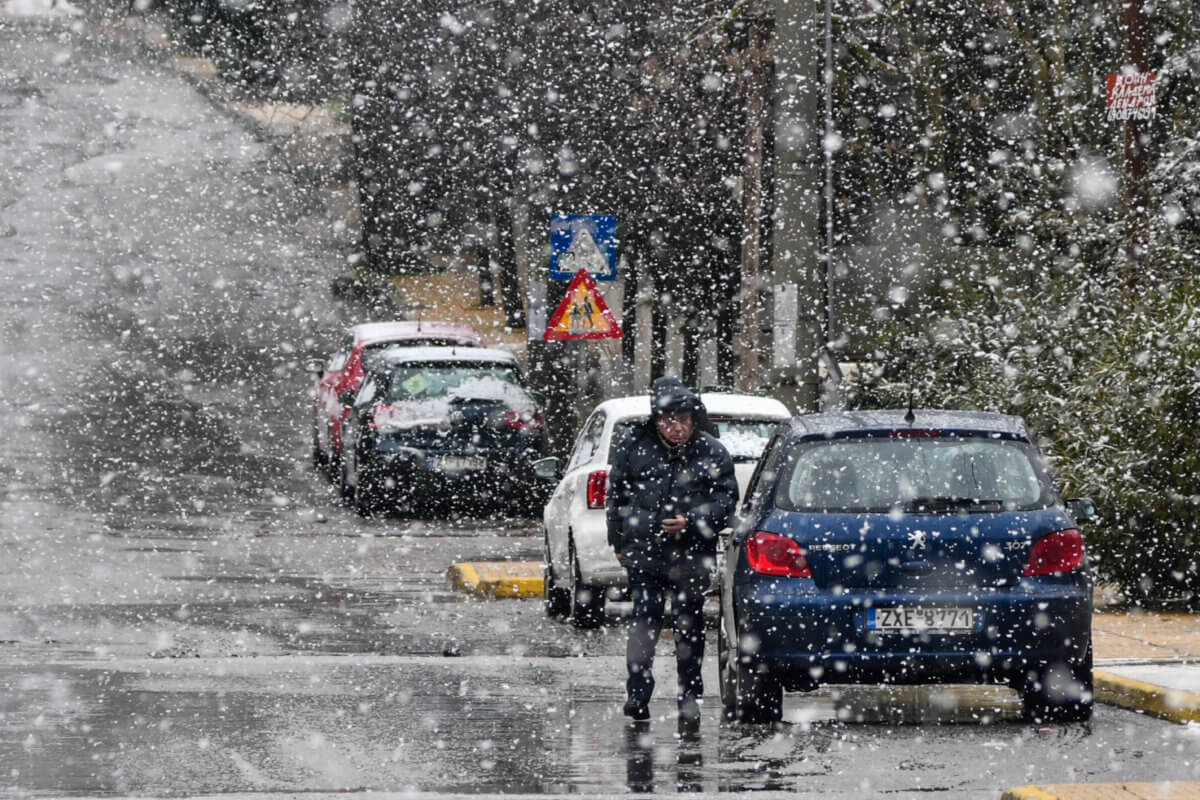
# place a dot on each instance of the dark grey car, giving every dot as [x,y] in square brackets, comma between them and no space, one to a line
[432,426]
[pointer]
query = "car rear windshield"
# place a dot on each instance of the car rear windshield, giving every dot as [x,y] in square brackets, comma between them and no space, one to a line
[927,474]
[443,379]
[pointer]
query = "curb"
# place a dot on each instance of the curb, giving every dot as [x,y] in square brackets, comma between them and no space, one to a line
[1027,793]
[497,578]
[1165,790]
[1175,705]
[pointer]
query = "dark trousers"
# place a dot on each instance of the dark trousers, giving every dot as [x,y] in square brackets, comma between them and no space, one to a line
[650,592]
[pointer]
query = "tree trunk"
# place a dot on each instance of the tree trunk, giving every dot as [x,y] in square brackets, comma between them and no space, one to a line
[506,267]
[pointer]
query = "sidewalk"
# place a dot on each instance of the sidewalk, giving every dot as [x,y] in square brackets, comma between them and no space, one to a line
[1148,661]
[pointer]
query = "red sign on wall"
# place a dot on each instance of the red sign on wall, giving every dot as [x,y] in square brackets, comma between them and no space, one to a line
[1131,96]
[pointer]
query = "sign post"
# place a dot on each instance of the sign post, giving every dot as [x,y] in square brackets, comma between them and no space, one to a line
[583,250]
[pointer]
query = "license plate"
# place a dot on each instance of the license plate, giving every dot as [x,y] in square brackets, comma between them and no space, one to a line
[914,619]
[458,463]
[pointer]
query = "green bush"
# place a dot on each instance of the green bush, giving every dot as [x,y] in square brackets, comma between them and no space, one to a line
[1135,444]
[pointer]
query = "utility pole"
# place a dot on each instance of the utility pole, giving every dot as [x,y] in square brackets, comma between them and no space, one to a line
[827,152]
[799,312]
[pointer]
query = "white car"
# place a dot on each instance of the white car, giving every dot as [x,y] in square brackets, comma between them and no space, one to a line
[580,569]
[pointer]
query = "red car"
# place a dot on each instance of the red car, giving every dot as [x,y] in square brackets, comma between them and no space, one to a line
[339,377]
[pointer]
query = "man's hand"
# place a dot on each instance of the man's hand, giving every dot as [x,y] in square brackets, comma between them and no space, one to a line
[674,525]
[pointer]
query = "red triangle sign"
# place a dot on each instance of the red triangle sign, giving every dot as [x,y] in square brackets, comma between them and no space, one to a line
[582,314]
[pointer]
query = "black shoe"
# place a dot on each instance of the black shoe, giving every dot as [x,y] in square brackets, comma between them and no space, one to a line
[636,710]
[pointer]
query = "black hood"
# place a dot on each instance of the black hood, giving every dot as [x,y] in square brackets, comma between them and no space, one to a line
[669,394]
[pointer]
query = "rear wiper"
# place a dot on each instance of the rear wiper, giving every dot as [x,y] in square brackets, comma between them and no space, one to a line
[946,503]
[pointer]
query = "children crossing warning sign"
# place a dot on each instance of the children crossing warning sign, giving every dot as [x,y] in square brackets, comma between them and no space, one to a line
[582,314]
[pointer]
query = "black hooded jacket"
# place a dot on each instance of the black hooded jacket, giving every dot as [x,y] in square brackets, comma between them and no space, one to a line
[649,481]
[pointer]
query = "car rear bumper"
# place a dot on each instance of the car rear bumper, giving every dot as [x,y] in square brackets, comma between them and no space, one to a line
[598,563]
[809,639]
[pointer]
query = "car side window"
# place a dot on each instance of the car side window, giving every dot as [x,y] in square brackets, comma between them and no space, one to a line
[367,392]
[339,358]
[589,440]
[764,474]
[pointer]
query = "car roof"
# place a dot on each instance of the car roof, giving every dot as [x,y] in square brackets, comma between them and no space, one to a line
[483,355]
[369,333]
[836,423]
[717,403]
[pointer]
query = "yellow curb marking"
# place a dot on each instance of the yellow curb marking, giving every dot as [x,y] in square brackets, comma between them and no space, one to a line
[1164,790]
[1170,704]
[1027,793]
[497,578]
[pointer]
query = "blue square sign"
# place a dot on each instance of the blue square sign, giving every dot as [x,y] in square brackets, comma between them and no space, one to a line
[583,241]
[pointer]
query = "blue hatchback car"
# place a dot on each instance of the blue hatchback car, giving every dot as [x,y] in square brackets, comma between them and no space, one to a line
[898,547]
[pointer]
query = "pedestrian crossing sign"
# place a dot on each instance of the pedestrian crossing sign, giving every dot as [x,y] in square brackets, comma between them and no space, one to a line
[582,314]
[583,241]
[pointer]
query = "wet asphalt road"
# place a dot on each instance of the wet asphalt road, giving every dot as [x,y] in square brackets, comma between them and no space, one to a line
[185,609]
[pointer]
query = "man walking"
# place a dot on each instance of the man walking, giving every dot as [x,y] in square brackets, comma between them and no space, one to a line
[671,491]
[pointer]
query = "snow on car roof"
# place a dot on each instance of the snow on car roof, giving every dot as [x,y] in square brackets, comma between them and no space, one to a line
[403,330]
[718,404]
[743,405]
[933,419]
[483,355]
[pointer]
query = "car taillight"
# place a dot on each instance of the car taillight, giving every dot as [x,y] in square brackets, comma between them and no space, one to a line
[380,410]
[772,554]
[527,421]
[1061,551]
[597,488]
